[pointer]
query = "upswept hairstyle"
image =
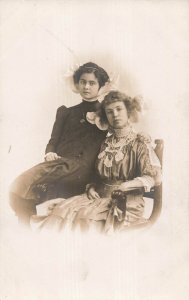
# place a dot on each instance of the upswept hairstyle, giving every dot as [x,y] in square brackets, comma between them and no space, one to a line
[90,67]
[133,105]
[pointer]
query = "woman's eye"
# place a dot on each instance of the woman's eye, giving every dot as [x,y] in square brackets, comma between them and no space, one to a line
[82,82]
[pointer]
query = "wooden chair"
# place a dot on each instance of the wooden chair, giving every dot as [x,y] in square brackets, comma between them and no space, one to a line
[155,194]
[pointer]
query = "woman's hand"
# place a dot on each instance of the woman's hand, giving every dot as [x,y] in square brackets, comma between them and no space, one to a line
[92,194]
[51,156]
[46,208]
[52,204]
[125,186]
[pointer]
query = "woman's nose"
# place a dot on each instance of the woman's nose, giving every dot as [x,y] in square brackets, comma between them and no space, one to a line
[87,85]
[115,113]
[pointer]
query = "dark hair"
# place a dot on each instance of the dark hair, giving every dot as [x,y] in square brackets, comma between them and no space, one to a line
[133,105]
[90,67]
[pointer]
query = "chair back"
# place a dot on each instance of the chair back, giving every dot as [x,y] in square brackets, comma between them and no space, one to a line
[157,190]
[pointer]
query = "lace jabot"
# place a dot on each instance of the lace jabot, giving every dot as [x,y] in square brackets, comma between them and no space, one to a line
[115,145]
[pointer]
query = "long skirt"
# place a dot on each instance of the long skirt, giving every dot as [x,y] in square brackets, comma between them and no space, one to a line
[101,214]
[64,177]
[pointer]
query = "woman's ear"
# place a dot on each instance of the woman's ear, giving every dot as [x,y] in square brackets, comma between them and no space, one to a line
[76,85]
[133,118]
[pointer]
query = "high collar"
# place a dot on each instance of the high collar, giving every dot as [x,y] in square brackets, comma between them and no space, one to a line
[122,132]
[90,106]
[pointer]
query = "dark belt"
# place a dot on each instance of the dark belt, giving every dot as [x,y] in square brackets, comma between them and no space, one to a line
[105,189]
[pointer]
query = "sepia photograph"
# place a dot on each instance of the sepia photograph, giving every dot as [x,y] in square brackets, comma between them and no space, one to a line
[94,150]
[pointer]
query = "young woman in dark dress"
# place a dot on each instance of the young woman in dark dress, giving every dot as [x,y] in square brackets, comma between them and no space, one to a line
[70,153]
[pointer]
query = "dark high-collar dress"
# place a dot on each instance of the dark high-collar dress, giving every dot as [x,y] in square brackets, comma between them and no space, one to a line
[78,143]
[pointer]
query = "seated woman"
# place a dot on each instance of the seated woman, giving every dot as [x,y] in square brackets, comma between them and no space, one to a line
[126,161]
[71,152]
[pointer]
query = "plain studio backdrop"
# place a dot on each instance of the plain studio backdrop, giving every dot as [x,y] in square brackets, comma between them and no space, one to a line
[145,45]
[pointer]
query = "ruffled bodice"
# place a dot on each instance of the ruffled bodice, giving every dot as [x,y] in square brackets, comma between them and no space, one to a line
[126,157]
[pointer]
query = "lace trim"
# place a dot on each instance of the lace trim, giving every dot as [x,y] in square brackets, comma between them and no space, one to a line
[122,132]
[115,148]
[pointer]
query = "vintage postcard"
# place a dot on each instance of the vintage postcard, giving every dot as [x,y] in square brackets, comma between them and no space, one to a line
[88,90]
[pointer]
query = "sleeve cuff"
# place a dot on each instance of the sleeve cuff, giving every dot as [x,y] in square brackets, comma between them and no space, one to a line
[88,186]
[147,181]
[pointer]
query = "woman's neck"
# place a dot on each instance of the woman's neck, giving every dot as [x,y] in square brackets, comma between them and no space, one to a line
[122,132]
[91,100]
[90,105]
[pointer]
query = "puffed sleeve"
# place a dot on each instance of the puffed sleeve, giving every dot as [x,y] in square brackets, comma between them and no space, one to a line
[61,115]
[149,165]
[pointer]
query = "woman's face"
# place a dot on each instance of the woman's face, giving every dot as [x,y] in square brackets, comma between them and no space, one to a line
[116,114]
[88,86]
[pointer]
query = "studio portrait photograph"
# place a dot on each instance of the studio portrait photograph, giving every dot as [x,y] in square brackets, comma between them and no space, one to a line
[94,150]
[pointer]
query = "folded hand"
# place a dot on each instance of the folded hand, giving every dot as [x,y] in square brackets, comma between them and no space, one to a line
[51,156]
